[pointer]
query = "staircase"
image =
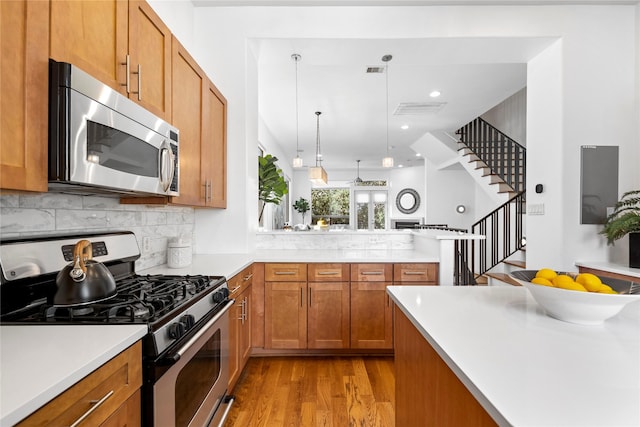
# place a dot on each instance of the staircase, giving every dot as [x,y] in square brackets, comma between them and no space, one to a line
[500,162]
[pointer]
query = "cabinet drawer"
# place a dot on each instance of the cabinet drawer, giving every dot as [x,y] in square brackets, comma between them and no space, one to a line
[285,272]
[95,397]
[240,281]
[371,272]
[426,273]
[328,272]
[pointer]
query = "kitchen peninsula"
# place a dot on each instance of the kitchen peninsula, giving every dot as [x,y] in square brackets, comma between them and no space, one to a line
[522,367]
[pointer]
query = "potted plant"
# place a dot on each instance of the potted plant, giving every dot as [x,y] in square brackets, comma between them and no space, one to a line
[301,205]
[271,184]
[624,220]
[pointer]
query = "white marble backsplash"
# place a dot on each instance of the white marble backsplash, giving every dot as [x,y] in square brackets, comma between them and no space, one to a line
[54,213]
[304,240]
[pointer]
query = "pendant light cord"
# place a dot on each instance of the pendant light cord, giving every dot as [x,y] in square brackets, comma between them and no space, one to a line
[318,138]
[297,58]
[386,74]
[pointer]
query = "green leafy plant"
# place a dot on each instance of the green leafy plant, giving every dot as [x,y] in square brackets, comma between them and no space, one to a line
[301,205]
[625,218]
[271,184]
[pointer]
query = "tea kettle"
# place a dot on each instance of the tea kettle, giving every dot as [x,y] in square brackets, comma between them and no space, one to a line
[84,281]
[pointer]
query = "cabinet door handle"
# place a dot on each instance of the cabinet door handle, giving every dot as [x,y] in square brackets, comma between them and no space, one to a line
[285,273]
[127,65]
[235,289]
[96,404]
[328,273]
[248,277]
[310,297]
[301,298]
[414,273]
[371,273]
[139,73]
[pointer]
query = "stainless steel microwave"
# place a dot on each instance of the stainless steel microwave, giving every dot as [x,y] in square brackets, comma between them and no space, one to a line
[102,142]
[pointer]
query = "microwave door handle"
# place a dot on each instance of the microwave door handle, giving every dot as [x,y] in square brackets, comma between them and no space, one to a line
[167,167]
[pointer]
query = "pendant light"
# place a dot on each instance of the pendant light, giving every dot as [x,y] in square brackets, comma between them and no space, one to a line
[358,180]
[317,174]
[387,162]
[297,161]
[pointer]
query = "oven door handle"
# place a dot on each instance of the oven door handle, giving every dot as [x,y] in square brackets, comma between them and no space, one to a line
[178,354]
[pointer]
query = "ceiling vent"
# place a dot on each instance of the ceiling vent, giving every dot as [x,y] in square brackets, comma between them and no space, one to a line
[418,108]
[375,69]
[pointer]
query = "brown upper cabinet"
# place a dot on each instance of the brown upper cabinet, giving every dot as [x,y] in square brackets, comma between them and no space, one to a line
[24,31]
[123,44]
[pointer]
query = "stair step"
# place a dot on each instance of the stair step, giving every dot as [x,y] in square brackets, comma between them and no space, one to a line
[482,280]
[503,277]
[516,263]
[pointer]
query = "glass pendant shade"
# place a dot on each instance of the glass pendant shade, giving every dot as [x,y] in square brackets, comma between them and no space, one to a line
[387,162]
[297,162]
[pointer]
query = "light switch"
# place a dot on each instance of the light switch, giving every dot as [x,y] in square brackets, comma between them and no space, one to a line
[535,209]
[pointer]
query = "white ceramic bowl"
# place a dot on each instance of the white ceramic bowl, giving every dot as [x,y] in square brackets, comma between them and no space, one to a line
[586,308]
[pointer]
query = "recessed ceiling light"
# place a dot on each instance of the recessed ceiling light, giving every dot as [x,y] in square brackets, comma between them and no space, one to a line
[435,94]
[400,166]
[404,127]
[418,154]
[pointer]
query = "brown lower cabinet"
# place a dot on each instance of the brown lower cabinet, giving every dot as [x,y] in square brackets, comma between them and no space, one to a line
[428,393]
[240,320]
[332,305]
[109,396]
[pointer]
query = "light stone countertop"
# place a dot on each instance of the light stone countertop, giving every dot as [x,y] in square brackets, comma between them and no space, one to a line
[525,368]
[611,268]
[38,362]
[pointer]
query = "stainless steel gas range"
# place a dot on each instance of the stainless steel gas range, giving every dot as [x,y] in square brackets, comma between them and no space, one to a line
[185,352]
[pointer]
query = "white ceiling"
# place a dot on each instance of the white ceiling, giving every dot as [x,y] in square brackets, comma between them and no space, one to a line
[473,75]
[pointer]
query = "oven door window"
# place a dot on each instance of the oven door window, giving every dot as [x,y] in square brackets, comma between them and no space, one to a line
[120,151]
[196,379]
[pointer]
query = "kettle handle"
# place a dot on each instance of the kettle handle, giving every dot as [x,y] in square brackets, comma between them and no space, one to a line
[81,253]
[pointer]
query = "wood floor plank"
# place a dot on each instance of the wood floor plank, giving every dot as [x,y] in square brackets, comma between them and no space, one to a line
[315,392]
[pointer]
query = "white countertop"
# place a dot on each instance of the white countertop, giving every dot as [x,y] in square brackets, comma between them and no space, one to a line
[230,264]
[610,267]
[528,369]
[41,361]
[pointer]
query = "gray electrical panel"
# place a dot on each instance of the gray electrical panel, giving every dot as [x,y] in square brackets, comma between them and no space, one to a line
[598,182]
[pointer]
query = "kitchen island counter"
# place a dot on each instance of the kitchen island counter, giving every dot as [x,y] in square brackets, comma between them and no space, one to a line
[38,362]
[525,368]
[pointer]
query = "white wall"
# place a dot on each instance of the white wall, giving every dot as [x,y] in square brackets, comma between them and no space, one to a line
[446,189]
[582,90]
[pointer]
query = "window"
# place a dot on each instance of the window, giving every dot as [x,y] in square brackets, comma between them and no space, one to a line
[361,207]
[371,209]
[330,204]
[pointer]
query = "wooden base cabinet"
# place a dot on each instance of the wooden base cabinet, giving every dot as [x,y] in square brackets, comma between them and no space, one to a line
[109,396]
[428,393]
[311,314]
[328,312]
[371,307]
[24,31]
[240,324]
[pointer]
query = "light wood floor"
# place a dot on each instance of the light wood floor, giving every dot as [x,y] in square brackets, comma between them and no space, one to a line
[315,391]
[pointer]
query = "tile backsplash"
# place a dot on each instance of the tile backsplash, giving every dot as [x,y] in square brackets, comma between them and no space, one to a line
[53,213]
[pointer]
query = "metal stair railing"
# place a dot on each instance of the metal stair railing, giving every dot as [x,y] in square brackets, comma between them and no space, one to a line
[505,157]
[503,229]
[462,275]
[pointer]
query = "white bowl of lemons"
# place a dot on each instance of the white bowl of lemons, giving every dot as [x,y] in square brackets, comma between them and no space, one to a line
[583,298]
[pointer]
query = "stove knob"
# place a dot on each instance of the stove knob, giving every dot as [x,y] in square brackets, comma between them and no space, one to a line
[220,295]
[176,330]
[188,320]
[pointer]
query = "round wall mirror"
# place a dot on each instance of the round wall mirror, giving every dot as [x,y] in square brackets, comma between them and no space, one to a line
[408,201]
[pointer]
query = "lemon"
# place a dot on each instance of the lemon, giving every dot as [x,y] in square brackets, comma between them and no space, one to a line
[546,273]
[606,289]
[542,281]
[591,282]
[566,282]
